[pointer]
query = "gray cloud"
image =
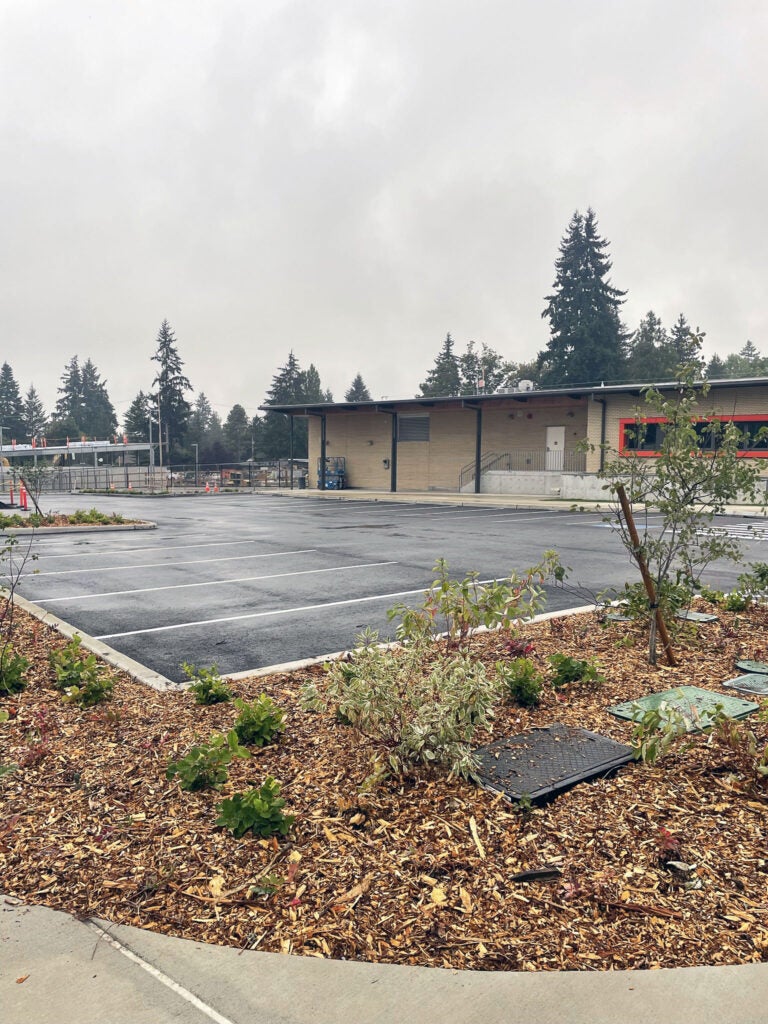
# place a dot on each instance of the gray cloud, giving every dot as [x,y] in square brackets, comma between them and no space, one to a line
[352,180]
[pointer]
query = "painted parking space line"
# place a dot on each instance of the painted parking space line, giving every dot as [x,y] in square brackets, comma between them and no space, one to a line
[168,565]
[264,615]
[83,553]
[208,583]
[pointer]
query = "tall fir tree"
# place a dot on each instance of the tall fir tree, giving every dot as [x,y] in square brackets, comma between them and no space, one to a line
[650,355]
[686,345]
[587,338]
[357,391]
[68,413]
[170,386]
[98,413]
[136,420]
[11,408]
[35,419]
[444,378]
[237,431]
[288,388]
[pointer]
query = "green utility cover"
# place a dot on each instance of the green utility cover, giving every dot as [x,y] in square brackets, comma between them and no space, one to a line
[615,617]
[753,666]
[697,616]
[755,682]
[690,701]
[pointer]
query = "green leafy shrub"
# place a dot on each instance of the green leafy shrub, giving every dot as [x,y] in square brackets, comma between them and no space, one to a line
[92,691]
[716,597]
[209,687]
[74,669]
[259,811]
[736,601]
[420,715]
[673,596]
[94,517]
[566,669]
[258,723]
[461,606]
[743,744]
[205,765]
[12,669]
[521,680]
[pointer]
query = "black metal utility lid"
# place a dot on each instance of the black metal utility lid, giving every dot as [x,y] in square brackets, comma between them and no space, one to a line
[545,761]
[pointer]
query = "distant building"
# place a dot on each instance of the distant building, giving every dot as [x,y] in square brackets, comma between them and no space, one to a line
[523,441]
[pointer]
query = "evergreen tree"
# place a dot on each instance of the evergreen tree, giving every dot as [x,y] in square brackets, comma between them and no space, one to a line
[11,408]
[69,405]
[715,368]
[746,363]
[98,414]
[287,388]
[444,378]
[311,387]
[686,346]
[35,419]
[199,420]
[587,337]
[171,385]
[237,431]
[650,357]
[136,422]
[357,392]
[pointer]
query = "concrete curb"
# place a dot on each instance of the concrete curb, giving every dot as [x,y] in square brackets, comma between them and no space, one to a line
[48,531]
[140,673]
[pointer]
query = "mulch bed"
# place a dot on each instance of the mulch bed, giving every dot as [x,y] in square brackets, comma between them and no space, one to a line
[412,871]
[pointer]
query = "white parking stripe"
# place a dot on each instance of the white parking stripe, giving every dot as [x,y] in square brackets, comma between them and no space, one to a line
[263,615]
[165,565]
[208,583]
[150,547]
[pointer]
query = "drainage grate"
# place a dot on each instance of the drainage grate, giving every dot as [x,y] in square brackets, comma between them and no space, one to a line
[753,666]
[697,616]
[544,761]
[690,701]
[754,682]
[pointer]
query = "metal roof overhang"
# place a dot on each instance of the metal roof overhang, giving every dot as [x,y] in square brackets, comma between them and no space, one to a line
[485,401]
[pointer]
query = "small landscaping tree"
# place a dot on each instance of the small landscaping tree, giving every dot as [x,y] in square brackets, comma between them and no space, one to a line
[681,465]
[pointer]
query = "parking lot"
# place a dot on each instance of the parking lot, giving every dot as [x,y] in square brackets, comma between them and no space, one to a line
[248,581]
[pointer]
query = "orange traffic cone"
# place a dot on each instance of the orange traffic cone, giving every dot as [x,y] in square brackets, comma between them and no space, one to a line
[207,487]
[215,488]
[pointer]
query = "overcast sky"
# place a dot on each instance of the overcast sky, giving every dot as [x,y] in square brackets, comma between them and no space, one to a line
[352,179]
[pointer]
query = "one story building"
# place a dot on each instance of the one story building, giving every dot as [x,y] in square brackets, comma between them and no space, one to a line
[525,441]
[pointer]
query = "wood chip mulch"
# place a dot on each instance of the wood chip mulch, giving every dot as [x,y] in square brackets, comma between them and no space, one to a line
[413,871]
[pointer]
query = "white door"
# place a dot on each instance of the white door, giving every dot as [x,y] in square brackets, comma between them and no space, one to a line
[555,448]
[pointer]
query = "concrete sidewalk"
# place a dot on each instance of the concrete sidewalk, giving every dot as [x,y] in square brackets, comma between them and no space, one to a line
[516,501]
[54,968]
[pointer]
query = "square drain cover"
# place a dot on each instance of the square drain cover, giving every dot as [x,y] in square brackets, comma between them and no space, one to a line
[755,682]
[697,616]
[690,701]
[753,666]
[544,761]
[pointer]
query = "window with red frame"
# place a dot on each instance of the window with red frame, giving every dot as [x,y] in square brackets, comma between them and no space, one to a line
[645,436]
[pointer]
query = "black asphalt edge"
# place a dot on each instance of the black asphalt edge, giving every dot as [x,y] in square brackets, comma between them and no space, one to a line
[138,672]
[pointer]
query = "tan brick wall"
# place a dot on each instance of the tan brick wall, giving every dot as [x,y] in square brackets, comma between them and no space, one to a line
[364,438]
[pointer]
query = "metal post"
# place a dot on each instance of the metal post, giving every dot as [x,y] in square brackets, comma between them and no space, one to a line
[393,456]
[478,446]
[324,442]
[291,450]
[196,461]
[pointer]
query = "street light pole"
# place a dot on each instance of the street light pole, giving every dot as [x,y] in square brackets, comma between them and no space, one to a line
[196,460]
